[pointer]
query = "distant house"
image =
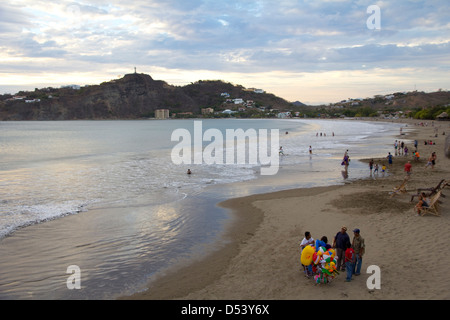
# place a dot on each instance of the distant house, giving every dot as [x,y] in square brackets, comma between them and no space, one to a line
[225,94]
[72,86]
[284,115]
[238,101]
[207,111]
[250,103]
[258,91]
[162,114]
[32,100]
[228,111]
[443,116]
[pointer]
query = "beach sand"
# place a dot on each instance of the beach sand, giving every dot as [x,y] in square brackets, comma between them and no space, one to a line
[262,258]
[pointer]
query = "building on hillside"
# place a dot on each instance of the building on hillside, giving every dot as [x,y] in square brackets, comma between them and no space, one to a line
[284,115]
[162,114]
[207,111]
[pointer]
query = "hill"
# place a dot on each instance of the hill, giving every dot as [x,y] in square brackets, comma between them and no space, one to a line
[414,104]
[132,97]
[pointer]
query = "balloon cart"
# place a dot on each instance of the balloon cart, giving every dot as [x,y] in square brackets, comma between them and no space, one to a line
[320,262]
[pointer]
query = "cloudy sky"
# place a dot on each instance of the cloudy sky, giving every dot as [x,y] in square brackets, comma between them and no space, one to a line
[315,51]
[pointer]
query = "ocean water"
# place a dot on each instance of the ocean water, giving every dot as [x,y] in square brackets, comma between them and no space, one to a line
[107,197]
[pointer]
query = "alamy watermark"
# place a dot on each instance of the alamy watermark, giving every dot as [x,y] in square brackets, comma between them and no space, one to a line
[374,21]
[74,280]
[374,281]
[254,147]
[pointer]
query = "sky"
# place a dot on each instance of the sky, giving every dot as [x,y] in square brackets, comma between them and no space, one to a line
[313,51]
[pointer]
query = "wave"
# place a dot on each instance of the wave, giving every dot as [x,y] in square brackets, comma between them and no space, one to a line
[27,215]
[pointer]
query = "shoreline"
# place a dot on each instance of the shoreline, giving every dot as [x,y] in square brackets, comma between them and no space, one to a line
[261,260]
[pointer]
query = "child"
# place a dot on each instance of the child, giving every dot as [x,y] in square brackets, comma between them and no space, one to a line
[350,259]
[376,169]
[307,240]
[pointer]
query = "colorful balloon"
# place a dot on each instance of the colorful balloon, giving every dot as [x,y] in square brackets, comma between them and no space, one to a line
[307,255]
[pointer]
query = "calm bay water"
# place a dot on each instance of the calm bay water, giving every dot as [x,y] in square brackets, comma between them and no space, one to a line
[105,196]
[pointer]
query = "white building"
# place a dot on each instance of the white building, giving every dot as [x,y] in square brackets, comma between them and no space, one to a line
[72,86]
[284,115]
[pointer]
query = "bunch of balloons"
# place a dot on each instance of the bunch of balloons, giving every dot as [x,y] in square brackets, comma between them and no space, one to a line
[321,260]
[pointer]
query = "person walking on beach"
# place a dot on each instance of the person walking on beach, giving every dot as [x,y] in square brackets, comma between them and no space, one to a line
[371,166]
[389,157]
[408,167]
[346,160]
[310,150]
[359,247]
[375,170]
[341,239]
[431,161]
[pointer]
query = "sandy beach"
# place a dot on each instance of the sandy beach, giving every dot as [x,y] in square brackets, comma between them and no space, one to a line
[262,258]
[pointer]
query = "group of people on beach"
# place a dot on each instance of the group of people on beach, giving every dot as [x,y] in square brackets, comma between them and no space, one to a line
[374,167]
[323,134]
[349,254]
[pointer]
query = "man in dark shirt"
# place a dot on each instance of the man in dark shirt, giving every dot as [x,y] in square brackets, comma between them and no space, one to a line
[340,244]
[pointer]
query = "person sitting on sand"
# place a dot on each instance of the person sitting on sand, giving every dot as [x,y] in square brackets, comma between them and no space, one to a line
[423,202]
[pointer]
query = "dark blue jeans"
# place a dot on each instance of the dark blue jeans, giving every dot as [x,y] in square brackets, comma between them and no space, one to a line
[357,265]
[349,266]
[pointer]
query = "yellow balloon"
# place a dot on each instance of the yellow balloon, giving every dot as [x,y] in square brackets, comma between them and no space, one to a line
[307,255]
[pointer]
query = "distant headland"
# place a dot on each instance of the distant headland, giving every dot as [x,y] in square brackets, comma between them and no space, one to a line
[138,96]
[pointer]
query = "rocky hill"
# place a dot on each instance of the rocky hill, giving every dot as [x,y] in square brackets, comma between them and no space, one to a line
[132,97]
[420,105]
